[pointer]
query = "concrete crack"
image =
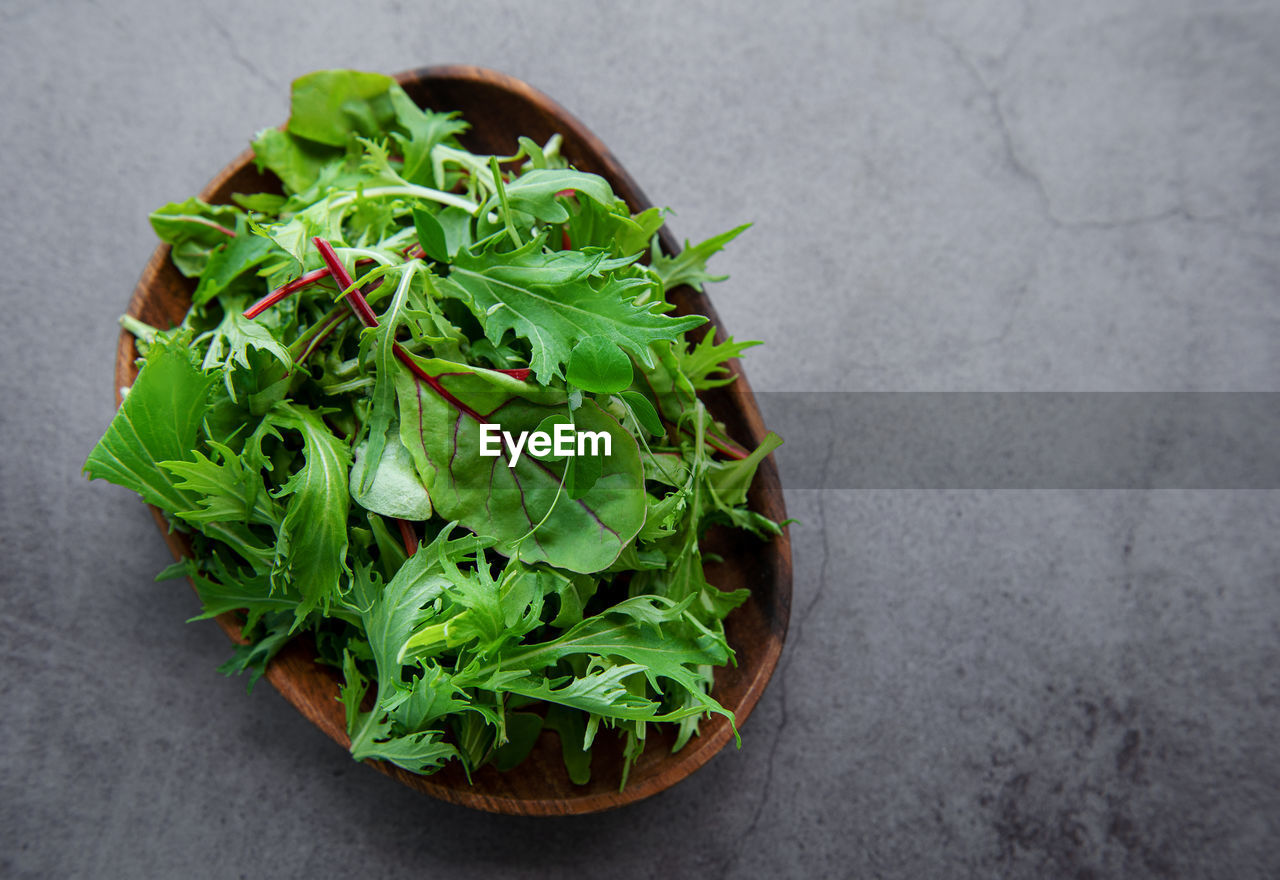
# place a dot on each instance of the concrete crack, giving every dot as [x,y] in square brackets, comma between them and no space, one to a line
[234,50]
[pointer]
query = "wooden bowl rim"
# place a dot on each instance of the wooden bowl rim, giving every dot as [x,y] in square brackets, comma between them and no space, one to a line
[295,664]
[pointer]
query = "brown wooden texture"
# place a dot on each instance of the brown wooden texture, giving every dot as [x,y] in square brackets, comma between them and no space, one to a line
[499,109]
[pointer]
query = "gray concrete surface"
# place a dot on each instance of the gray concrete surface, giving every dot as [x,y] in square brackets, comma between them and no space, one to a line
[947,196]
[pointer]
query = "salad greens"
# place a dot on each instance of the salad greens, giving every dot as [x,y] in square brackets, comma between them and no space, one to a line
[314,427]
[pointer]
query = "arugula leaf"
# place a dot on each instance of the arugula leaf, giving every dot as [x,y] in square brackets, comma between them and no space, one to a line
[424,131]
[552,300]
[690,265]
[229,345]
[633,631]
[701,362]
[372,735]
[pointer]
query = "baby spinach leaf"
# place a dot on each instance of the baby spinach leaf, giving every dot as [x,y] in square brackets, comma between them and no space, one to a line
[599,365]
[330,105]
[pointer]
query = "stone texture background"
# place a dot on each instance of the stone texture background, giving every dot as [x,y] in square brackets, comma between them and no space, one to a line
[947,196]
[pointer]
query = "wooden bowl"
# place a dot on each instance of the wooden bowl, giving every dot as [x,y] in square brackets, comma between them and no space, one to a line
[499,109]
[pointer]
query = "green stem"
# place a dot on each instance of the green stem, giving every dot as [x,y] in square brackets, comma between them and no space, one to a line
[506,205]
[408,189]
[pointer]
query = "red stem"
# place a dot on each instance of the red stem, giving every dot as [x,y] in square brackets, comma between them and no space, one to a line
[281,292]
[731,451]
[292,287]
[320,336]
[229,233]
[355,299]
[409,536]
[359,305]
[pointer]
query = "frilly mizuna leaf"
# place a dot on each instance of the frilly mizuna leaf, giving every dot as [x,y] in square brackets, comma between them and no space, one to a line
[312,545]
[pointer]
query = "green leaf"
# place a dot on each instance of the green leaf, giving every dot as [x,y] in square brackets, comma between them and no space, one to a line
[229,491]
[425,130]
[690,265]
[262,203]
[230,344]
[522,732]
[429,696]
[158,421]
[390,613]
[732,479]
[297,162]
[396,490]
[523,506]
[701,362]
[490,614]
[235,589]
[551,299]
[431,236]
[535,192]
[613,228]
[571,727]
[312,545]
[382,410]
[601,691]
[273,634]
[391,553]
[418,752]
[351,692]
[228,262]
[194,229]
[643,411]
[584,471]
[599,365]
[633,630]
[330,105]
